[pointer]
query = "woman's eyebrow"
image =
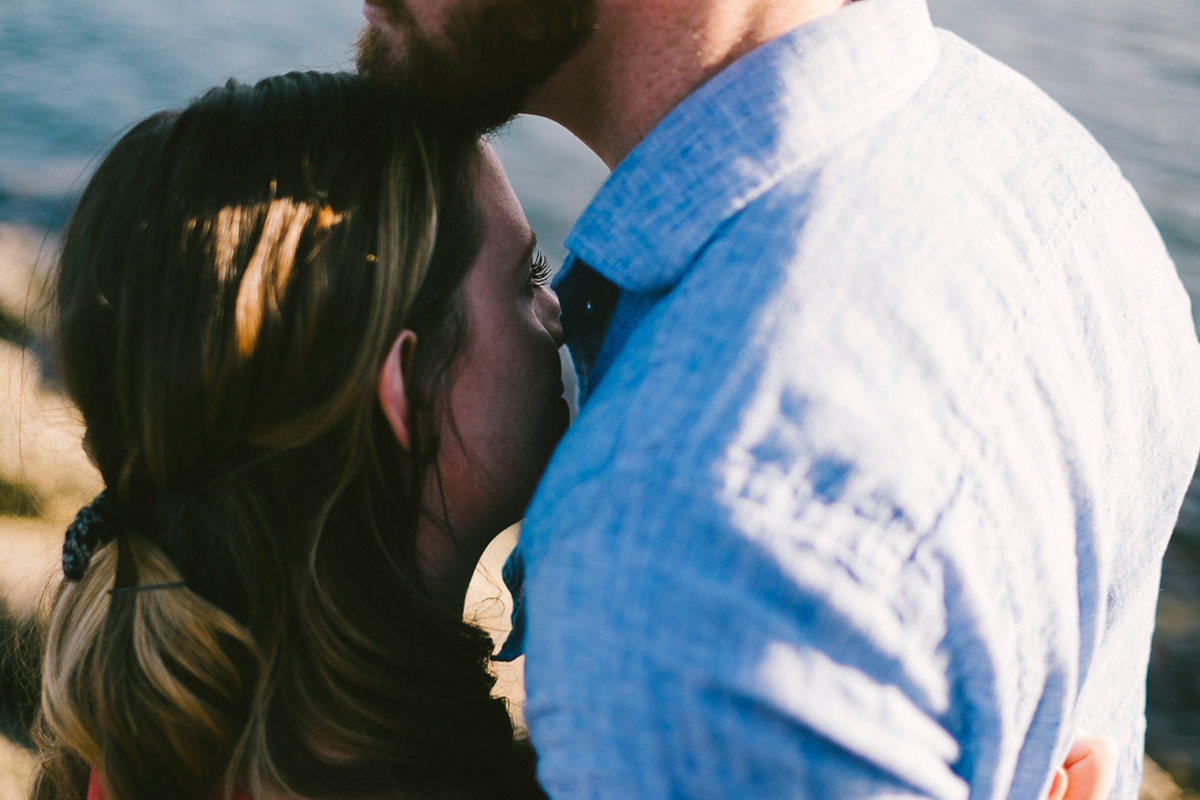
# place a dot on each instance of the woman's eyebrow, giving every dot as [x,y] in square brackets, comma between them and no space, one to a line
[527,253]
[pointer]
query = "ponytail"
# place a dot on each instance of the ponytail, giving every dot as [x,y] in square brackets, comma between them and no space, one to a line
[151,687]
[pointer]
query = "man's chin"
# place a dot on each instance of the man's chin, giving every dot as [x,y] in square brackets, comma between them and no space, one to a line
[428,84]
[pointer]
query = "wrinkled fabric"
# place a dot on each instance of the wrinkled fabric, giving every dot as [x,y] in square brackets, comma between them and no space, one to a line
[880,449]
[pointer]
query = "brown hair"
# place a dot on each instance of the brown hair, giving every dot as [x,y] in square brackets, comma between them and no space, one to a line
[230,284]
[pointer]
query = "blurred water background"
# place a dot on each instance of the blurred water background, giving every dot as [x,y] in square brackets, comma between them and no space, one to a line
[75,73]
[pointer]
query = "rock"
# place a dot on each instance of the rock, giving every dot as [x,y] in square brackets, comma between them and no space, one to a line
[43,469]
[16,771]
[44,472]
[27,256]
[489,605]
[1157,785]
[45,478]
[1173,685]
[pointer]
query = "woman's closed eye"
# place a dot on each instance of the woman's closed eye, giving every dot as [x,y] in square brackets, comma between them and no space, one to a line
[539,269]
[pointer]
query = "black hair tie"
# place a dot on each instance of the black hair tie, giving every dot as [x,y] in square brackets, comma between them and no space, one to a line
[87,534]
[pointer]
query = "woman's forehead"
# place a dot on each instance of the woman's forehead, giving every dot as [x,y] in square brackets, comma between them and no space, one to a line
[501,208]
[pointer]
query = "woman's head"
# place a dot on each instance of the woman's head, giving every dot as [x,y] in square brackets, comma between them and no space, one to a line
[232,282]
[235,273]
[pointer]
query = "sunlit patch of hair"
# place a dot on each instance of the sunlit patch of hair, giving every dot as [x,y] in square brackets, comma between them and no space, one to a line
[283,225]
[283,222]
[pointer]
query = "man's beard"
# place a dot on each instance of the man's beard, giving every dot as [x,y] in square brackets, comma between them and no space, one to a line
[479,73]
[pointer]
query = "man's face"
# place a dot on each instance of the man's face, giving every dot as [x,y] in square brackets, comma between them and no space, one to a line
[469,65]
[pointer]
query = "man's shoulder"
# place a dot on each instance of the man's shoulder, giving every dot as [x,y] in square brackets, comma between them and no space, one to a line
[977,151]
[832,345]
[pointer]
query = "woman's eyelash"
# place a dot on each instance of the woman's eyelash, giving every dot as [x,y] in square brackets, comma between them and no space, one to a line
[539,269]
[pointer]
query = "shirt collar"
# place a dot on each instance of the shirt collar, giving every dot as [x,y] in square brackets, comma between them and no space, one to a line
[727,143]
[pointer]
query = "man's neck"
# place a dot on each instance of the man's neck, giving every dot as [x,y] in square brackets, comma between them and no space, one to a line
[646,56]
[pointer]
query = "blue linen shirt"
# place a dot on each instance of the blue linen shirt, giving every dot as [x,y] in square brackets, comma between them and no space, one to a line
[881,450]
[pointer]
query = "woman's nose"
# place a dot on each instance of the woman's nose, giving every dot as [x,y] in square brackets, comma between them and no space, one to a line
[550,315]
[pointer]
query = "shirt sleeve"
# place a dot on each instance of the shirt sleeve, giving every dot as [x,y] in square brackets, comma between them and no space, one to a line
[708,664]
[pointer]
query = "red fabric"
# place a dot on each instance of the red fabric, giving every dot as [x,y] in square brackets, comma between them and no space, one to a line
[96,791]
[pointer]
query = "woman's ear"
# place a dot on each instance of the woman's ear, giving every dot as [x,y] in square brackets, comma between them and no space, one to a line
[393,386]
